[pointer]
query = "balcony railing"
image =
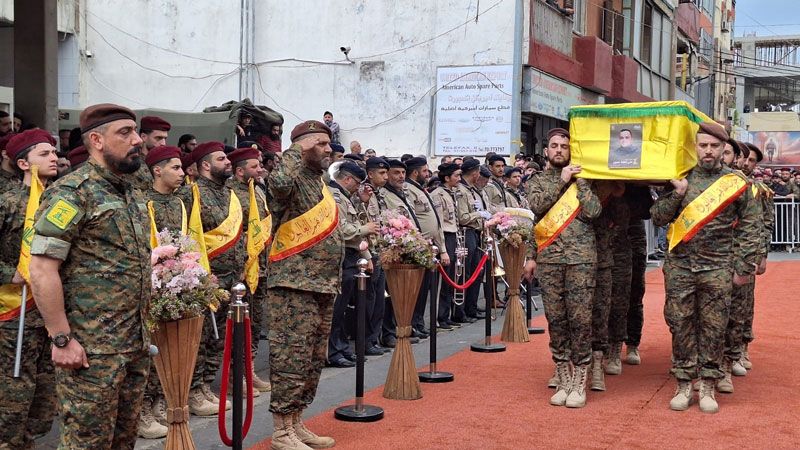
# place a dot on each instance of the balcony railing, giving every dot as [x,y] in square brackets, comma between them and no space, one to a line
[551,28]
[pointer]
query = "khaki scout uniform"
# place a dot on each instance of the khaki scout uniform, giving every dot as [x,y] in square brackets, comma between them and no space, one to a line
[445,204]
[495,194]
[472,222]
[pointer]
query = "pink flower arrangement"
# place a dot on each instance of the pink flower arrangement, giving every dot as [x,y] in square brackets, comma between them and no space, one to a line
[509,229]
[399,242]
[182,288]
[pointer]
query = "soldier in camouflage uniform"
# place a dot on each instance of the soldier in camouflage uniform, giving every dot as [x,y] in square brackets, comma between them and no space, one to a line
[9,179]
[301,289]
[28,403]
[153,131]
[620,287]
[566,269]
[698,273]
[90,272]
[639,201]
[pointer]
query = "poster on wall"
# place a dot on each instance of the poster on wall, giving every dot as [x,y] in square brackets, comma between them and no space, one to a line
[473,110]
[781,148]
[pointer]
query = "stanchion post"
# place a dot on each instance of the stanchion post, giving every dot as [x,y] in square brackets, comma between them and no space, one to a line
[433,375]
[237,312]
[359,412]
[529,308]
[486,346]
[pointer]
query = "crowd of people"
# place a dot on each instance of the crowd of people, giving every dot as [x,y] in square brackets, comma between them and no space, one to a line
[115,180]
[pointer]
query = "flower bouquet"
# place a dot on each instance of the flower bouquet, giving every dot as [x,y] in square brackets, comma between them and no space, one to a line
[405,254]
[182,290]
[514,234]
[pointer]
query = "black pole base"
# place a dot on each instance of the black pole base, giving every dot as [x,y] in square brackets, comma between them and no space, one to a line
[535,330]
[368,413]
[487,348]
[435,377]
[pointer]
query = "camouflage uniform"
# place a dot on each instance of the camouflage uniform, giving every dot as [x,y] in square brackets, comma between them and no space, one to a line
[96,223]
[765,197]
[698,273]
[8,181]
[301,290]
[142,179]
[567,269]
[28,403]
[228,267]
[601,302]
[620,274]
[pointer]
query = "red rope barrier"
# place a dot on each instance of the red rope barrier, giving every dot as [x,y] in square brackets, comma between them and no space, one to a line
[471,280]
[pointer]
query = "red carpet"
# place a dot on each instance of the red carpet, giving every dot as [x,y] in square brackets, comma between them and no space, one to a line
[500,401]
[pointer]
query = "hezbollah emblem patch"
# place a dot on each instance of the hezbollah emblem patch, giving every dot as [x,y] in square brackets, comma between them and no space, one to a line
[61,214]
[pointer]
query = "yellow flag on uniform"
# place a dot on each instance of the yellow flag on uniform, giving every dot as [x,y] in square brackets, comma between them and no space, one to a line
[27,231]
[196,228]
[256,240]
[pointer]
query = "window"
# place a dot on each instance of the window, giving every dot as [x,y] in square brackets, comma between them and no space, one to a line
[647,34]
[666,46]
[627,27]
[579,18]
[706,45]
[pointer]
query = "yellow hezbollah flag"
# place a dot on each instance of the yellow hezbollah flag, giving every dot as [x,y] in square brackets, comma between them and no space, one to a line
[634,141]
[257,237]
[705,208]
[11,294]
[220,239]
[154,228]
[195,230]
[307,229]
[557,218]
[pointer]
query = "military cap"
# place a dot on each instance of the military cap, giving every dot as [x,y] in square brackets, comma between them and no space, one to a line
[758,152]
[470,165]
[495,158]
[336,148]
[309,127]
[103,113]
[353,169]
[739,148]
[26,139]
[242,154]
[714,129]
[206,148]
[154,123]
[557,132]
[510,170]
[354,157]
[416,162]
[447,169]
[396,164]
[77,156]
[377,162]
[535,166]
[485,172]
[162,153]
[250,144]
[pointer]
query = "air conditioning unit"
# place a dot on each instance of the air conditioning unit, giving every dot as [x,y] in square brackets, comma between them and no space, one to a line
[726,26]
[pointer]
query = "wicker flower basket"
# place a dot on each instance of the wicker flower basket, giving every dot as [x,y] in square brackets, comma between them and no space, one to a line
[514,327]
[402,381]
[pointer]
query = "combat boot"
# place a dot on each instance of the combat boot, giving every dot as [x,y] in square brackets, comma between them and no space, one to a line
[708,404]
[284,436]
[553,381]
[259,384]
[160,410]
[598,375]
[199,404]
[577,394]
[683,396]
[613,362]
[738,369]
[745,359]
[149,428]
[632,356]
[564,383]
[212,397]
[307,436]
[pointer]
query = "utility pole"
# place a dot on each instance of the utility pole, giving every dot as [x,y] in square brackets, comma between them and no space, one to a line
[516,83]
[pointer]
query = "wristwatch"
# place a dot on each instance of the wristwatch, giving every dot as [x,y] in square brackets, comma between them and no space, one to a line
[61,340]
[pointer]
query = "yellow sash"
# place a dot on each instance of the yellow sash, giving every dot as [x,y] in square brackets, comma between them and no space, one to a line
[11,294]
[258,232]
[154,229]
[557,218]
[705,208]
[307,229]
[228,232]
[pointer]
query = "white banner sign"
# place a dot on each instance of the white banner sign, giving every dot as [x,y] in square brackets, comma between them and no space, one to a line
[473,110]
[552,97]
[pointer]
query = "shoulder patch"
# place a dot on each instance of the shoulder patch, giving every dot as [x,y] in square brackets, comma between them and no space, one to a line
[61,213]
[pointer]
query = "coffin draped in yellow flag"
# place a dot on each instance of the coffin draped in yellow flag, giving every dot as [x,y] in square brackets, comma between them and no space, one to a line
[658,145]
[258,234]
[11,294]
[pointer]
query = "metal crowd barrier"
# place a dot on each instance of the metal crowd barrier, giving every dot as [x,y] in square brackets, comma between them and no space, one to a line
[652,242]
[786,232]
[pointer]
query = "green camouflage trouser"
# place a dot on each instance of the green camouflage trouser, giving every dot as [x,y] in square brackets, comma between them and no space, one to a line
[299,323]
[567,291]
[749,310]
[601,307]
[100,405]
[256,308]
[696,311]
[27,403]
[734,339]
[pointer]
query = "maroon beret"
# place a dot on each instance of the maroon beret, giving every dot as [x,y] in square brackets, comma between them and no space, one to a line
[26,139]
[154,123]
[206,148]
[186,160]
[77,156]
[557,132]
[103,113]
[4,140]
[309,127]
[714,129]
[161,153]
[242,154]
